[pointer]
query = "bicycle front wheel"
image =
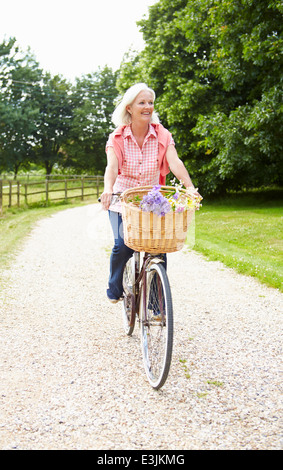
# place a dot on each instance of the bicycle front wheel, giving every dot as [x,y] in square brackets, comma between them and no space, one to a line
[156,314]
[128,306]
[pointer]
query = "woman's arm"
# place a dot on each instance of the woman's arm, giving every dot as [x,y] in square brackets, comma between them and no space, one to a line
[178,168]
[110,175]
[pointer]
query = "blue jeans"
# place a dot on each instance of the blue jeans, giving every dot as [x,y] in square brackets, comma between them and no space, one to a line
[119,257]
[121,253]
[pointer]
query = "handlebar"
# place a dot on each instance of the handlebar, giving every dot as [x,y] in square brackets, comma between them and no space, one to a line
[114,196]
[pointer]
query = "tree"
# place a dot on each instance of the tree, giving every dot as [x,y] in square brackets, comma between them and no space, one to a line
[245,138]
[47,121]
[18,111]
[54,99]
[130,71]
[174,64]
[93,99]
[36,111]
[216,68]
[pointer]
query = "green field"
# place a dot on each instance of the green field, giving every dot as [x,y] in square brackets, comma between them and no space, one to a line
[245,233]
[242,231]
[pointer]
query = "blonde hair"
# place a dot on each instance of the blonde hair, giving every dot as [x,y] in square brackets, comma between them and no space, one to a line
[121,116]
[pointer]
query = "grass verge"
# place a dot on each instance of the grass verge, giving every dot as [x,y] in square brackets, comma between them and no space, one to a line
[244,232]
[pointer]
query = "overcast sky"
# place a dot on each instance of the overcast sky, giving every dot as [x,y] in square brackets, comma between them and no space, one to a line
[71,37]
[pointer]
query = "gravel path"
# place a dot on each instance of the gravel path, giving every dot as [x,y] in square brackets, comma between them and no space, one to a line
[71,379]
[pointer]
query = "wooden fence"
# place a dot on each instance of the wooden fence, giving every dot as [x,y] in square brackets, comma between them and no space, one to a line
[15,192]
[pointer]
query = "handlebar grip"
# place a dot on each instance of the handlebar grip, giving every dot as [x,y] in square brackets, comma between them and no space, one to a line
[114,194]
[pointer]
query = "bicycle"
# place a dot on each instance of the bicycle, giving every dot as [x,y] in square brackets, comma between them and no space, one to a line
[147,300]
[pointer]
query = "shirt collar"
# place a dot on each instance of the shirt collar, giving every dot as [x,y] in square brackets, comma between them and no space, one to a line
[128,132]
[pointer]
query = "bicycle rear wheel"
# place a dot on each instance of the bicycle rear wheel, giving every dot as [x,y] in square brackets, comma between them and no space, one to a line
[156,314]
[128,306]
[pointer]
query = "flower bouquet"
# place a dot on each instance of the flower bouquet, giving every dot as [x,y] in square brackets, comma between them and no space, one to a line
[170,199]
[156,219]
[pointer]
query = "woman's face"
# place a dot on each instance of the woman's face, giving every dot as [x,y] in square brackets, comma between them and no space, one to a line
[142,107]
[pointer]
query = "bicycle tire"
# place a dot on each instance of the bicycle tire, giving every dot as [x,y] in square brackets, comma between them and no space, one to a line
[156,336]
[128,304]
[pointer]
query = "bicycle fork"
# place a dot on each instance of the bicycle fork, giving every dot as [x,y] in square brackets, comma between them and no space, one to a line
[147,263]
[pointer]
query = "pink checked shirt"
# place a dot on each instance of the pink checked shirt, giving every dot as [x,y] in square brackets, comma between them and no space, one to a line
[140,165]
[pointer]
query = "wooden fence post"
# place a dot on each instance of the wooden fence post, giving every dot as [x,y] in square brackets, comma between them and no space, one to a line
[66,190]
[18,193]
[26,193]
[97,186]
[10,193]
[46,190]
[82,178]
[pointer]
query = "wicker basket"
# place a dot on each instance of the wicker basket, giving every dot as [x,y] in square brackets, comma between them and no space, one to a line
[151,233]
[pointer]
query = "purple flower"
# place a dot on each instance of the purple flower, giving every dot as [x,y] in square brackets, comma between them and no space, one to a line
[155,202]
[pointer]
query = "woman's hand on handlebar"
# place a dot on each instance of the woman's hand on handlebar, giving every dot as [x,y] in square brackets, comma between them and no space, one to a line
[194,191]
[105,200]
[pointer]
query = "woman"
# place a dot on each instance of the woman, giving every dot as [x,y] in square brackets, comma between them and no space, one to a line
[139,152]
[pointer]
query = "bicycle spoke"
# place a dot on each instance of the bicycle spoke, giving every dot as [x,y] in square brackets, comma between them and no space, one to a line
[129,299]
[157,326]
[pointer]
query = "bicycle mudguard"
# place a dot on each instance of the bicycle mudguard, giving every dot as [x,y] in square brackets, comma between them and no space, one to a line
[155,261]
